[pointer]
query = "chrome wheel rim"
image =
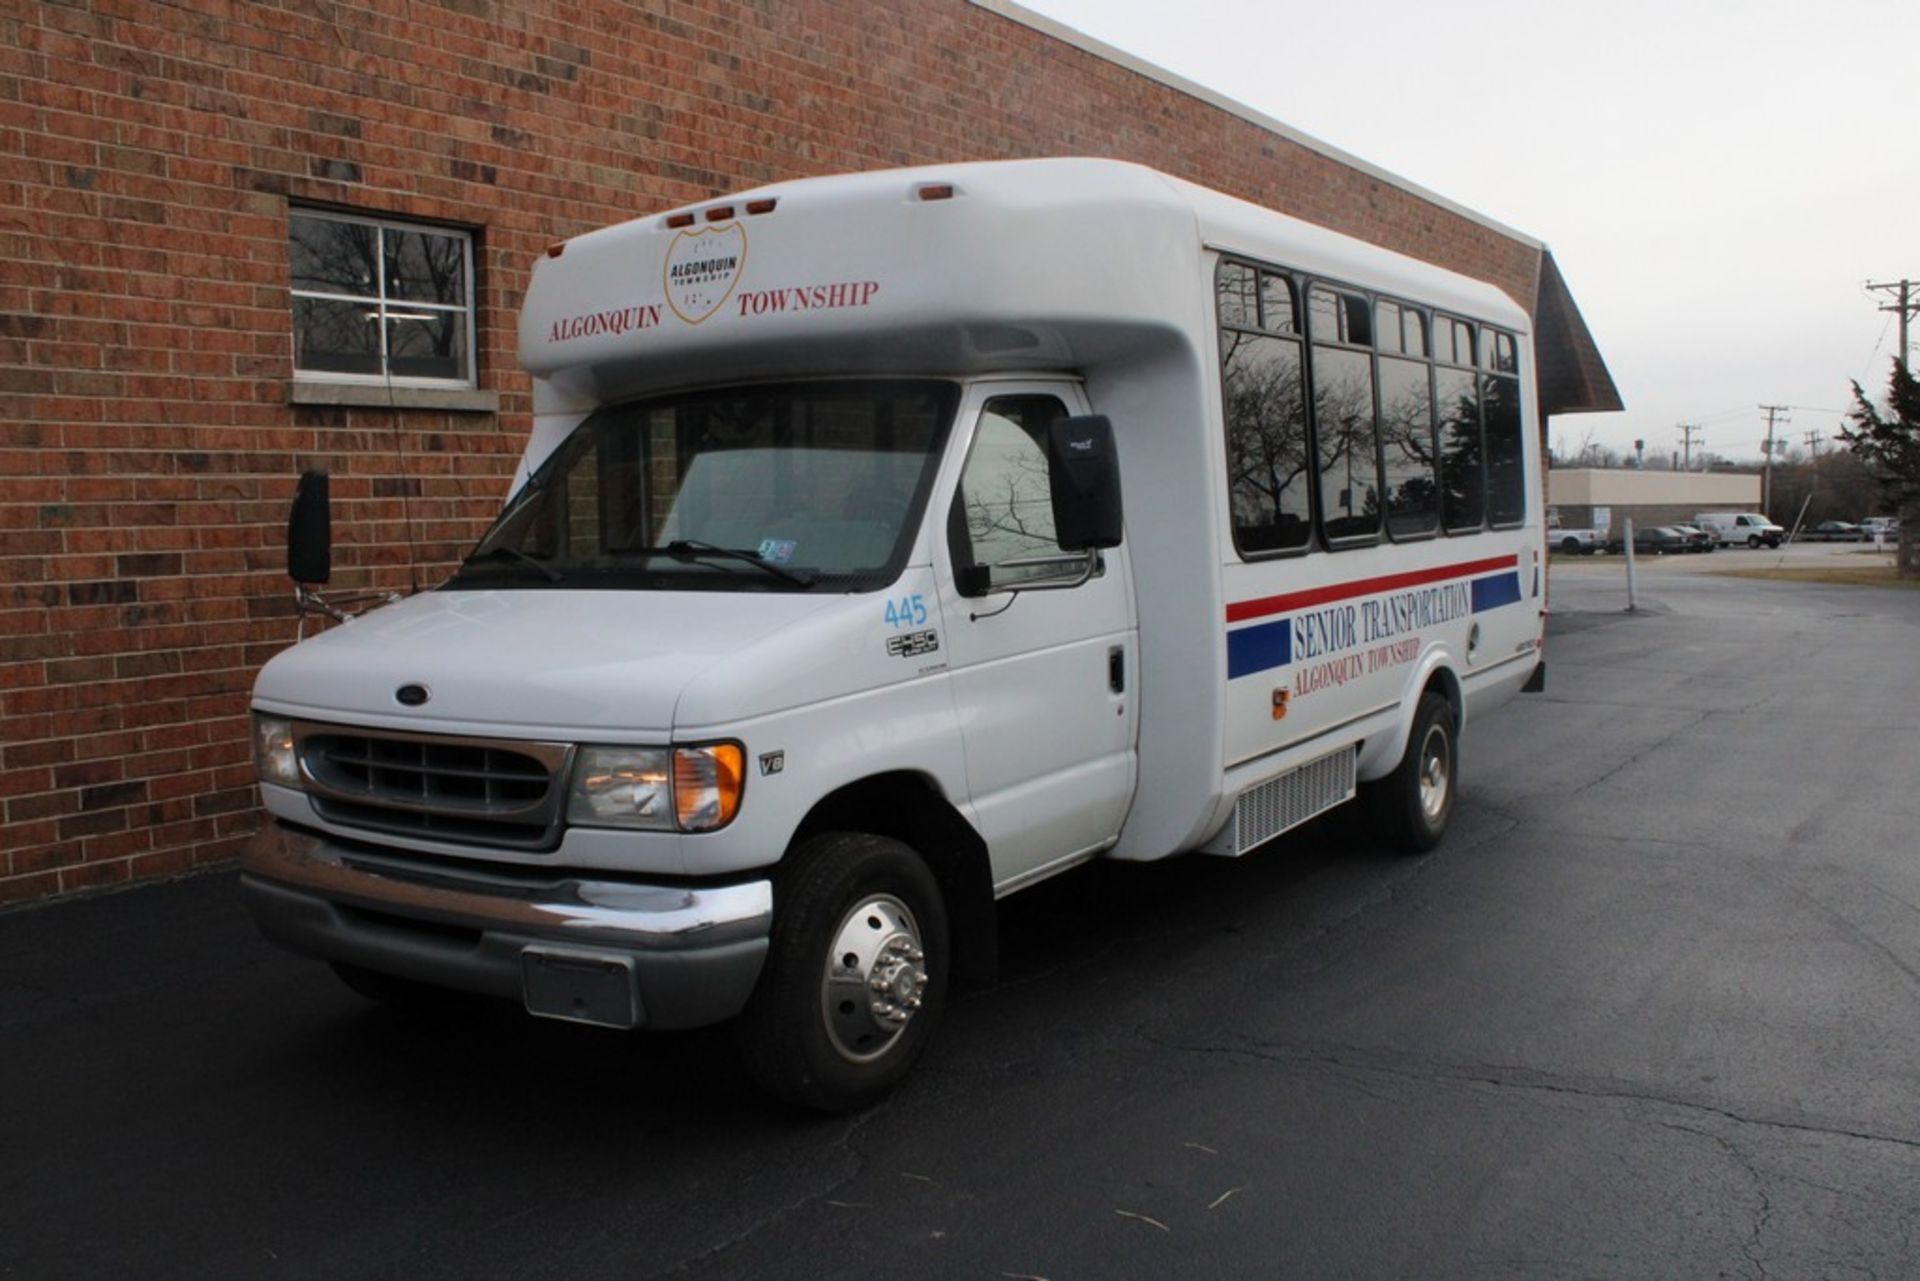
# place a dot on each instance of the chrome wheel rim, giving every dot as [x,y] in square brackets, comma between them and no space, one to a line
[1434,771]
[875,977]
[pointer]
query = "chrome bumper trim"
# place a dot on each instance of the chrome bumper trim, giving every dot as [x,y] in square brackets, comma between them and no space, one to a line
[693,954]
[601,913]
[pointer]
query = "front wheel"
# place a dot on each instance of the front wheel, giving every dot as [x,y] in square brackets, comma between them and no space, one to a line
[1412,805]
[1753,542]
[855,977]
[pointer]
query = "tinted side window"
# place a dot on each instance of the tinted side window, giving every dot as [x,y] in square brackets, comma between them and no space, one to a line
[1344,425]
[1506,455]
[1263,390]
[1462,463]
[1406,446]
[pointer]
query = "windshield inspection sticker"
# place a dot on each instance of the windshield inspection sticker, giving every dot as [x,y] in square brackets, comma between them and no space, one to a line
[777,551]
[913,644]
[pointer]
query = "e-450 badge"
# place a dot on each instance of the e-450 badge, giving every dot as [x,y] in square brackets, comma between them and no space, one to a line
[913,644]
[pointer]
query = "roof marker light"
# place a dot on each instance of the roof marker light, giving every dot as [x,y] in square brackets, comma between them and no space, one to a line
[761,206]
[935,191]
[680,220]
[719,213]
[557,248]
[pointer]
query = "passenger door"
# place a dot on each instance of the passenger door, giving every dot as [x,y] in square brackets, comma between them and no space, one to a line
[1043,680]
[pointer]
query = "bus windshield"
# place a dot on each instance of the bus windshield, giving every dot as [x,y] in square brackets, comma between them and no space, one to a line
[786,487]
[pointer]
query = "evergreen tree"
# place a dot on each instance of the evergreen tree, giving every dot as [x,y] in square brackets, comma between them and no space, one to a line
[1889,443]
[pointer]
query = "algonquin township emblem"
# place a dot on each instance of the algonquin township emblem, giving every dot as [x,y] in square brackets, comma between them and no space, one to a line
[702,268]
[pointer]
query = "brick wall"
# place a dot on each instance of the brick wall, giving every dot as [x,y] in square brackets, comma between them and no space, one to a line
[148,440]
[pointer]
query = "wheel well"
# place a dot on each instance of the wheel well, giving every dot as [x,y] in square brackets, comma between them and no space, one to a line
[910,809]
[1444,683]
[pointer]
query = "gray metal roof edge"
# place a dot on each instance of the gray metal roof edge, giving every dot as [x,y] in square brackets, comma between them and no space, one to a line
[1139,66]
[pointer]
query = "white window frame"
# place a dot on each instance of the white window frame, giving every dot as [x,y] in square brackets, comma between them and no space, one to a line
[387,308]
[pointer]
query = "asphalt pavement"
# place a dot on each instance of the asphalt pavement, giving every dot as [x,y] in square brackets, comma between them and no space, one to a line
[1649,1011]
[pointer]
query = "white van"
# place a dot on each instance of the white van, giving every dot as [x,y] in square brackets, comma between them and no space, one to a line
[812,626]
[1748,529]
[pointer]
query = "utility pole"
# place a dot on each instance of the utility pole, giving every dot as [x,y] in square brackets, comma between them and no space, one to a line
[1766,481]
[1904,290]
[1813,443]
[1686,431]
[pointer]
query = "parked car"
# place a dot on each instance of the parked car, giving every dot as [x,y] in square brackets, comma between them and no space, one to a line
[1735,528]
[1574,541]
[1698,539]
[1834,531]
[1887,527]
[1654,540]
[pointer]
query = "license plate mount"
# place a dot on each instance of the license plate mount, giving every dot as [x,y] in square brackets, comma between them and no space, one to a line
[600,988]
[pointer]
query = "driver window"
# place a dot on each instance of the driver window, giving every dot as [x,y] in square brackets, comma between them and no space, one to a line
[1004,510]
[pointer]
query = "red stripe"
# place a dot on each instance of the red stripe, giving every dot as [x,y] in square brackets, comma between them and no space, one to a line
[1241,611]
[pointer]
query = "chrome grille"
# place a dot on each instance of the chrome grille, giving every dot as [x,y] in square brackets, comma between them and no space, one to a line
[482,791]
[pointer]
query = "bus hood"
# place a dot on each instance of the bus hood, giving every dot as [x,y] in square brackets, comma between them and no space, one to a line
[576,665]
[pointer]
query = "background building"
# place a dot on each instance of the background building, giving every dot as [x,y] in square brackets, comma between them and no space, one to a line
[1583,495]
[244,239]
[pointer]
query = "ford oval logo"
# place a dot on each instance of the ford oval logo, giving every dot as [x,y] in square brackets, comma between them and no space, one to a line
[412,695]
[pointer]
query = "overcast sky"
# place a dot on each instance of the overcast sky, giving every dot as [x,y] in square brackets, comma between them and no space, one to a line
[1717,181]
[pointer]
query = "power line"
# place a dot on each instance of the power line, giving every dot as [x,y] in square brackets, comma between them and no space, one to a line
[1766,477]
[1905,291]
[1686,431]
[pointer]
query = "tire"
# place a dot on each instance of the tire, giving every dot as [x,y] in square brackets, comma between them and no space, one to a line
[856,974]
[1412,806]
[1753,542]
[1571,546]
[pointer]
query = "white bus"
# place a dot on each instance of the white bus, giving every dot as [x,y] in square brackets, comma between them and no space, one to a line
[812,626]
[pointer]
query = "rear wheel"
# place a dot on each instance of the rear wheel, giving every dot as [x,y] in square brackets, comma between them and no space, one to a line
[856,974]
[1412,805]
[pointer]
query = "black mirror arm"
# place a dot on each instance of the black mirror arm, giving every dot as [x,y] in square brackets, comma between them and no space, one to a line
[981,576]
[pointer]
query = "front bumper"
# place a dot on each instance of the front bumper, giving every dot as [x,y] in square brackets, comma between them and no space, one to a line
[598,951]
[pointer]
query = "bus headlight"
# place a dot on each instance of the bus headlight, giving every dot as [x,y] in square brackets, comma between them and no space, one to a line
[273,754]
[622,787]
[693,789]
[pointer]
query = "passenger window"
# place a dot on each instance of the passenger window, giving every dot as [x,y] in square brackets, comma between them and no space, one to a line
[1406,444]
[1344,425]
[1263,387]
[1506,460]
[1004,510]
[1462,464]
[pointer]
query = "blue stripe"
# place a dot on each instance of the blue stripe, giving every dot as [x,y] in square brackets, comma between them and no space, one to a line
[1493,592]
[1255,649]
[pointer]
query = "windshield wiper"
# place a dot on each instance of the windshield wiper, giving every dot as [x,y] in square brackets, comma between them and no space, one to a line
[694,549]
[503,552]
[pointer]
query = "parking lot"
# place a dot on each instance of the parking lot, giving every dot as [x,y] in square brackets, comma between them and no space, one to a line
[1651,1010]
[1790,555]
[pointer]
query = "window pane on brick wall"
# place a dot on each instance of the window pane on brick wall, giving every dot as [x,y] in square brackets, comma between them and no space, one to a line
[336,337]
[335,257]
[427,344]
[422,267]
[374,299]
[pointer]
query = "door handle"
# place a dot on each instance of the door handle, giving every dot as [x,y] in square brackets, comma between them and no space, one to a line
[1117,669]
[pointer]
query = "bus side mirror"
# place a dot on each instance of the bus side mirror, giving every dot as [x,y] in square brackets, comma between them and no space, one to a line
[1084,473]
[310,531]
